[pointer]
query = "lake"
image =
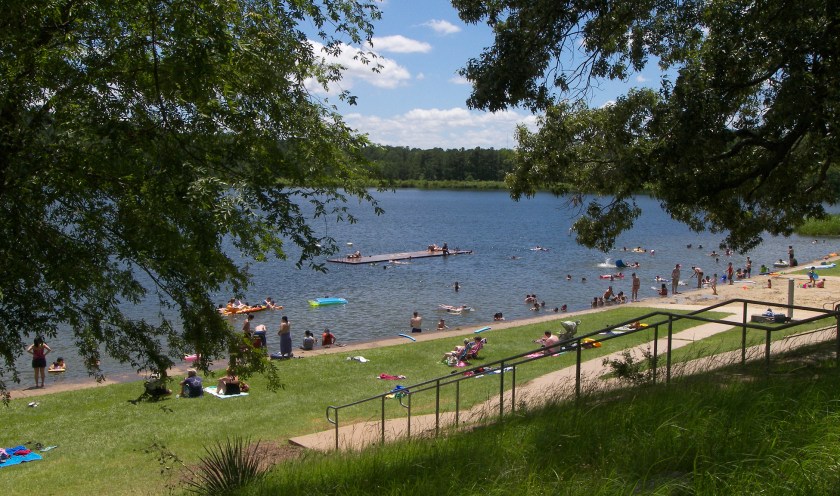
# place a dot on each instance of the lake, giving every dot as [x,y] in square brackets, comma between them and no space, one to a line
[502,269]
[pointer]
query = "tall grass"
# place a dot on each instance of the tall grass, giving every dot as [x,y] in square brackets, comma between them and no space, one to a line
[830,226]
[730,432]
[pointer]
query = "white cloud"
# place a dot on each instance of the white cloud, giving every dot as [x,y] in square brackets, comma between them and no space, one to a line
[608,103]
[641,79]
[460,80]
[442,27]
[399,44]
[443,128]
[390,75]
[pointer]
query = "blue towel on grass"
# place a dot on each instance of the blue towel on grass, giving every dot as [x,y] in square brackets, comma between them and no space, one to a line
[18,459]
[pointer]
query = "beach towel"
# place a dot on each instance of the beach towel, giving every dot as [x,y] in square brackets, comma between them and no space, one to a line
[389,377]
[212,390]
[18,459]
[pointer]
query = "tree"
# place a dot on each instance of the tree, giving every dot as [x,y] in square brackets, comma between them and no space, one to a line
[741,136]
[138,137]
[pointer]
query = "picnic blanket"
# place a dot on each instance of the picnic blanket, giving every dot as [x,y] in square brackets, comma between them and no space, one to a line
[29,456]
[212,390]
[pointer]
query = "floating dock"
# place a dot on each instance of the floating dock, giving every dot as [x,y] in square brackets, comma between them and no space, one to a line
[408,255]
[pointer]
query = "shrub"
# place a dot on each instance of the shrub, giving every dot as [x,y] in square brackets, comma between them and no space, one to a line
[629,370]
[227,466]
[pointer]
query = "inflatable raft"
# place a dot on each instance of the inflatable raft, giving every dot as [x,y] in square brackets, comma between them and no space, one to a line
[237,311]
[320,302]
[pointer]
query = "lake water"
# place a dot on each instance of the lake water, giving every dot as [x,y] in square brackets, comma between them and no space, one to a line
[495,278]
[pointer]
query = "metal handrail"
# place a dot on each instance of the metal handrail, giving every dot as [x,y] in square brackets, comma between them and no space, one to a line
[576,343]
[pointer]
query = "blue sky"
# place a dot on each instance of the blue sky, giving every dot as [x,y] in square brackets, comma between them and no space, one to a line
[418,100]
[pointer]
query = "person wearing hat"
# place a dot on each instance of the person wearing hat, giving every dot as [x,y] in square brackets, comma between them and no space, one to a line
[675,279]
[191,387]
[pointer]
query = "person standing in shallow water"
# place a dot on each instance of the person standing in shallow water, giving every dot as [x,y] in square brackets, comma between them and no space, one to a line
[675,279]
[416,322]
[39,349]
[634,289]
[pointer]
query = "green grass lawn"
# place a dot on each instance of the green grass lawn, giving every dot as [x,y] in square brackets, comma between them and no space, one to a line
[731,431]
[108,441]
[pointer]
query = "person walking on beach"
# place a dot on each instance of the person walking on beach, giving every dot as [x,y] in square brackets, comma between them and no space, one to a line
[416,323]
[714,284]
[790,256]
[675,279]
[730,273]
[634,289]
[39,349]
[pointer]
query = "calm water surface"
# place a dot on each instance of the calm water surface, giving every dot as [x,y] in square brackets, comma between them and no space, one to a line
[495,278]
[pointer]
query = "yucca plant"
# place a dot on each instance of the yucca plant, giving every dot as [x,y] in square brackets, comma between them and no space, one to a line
[228,465]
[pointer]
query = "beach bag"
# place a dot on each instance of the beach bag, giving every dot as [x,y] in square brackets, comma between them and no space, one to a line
[232,388]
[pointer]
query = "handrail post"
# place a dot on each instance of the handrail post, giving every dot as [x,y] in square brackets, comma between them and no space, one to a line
[767,353]
[382,429]
[502,391]
[655,351]
[437,407]
[513,391]
[577,371]
[744,335]
[457,403]
[336,429]
[670,342]
[837,327]
[408,432]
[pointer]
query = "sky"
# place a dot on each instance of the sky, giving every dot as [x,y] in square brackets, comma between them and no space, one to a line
[418,99]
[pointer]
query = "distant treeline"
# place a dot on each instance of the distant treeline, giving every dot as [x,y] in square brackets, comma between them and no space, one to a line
[412,167]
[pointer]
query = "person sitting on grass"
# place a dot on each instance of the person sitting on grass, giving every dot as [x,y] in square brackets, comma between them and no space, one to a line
[230,384]
[548,341]
[156,387]
[191,387]
[476,346]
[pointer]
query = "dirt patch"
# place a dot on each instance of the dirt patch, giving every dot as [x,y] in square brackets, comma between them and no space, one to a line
[275,452]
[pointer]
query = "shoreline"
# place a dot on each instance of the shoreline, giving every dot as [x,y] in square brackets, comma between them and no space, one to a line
[757,288]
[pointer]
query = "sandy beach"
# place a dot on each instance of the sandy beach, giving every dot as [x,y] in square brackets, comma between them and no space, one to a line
[756,288]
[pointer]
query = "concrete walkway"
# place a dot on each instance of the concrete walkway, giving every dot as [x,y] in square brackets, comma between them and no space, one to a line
[553,386]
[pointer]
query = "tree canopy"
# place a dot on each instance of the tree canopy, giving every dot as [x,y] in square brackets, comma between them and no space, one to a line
[741,136]
[139,138]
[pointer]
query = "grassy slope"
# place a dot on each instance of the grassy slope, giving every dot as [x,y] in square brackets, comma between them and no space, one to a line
[728,432]
[106,441]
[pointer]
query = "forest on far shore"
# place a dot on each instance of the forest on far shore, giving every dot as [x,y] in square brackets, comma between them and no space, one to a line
[400,164]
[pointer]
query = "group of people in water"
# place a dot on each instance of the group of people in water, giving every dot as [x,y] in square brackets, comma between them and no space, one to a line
[536,306]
